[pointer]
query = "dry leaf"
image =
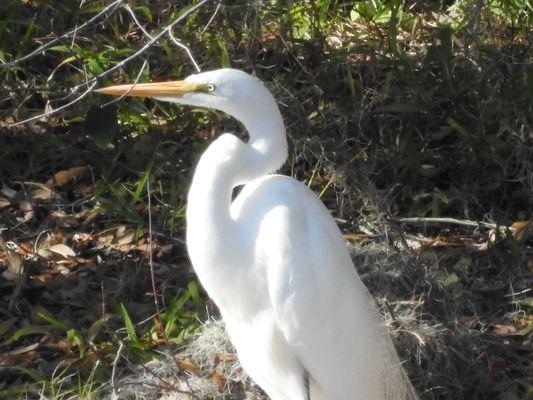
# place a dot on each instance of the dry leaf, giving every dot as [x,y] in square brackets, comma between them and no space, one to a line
[43,193]
[4,202]
[496,365]
[43,277]
[43,245]
[143,247]
[521,228]
[503,330]
[8,192]
[90,214]
[24,349]
[25,248]
[225,357]
[467,320]
[8,360]
[187,365]
[25,206]
[120,231]
[218,380]
[62,177]
[81,237]
[14,266]
[126,239]
[66,262]
[105,239]
[63,250]
[126,248]
[356,237]
[64,220]
[14,263]
[43,251]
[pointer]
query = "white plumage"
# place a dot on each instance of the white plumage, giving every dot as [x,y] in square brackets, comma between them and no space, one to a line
[274,261]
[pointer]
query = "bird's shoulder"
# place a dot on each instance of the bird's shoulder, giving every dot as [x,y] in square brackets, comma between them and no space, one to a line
[280,211]
[280,206]
[274,191]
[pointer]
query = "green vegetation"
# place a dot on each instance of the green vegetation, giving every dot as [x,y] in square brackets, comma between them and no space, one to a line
[394,109]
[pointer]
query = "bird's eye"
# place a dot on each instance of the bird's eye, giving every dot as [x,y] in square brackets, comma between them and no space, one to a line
[210,87]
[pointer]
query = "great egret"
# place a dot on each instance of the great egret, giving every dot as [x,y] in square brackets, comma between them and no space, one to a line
[273,259]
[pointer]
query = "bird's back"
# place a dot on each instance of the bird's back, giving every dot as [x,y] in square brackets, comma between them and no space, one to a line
[323,309]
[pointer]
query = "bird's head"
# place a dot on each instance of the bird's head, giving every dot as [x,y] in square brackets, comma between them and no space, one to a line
[229,90]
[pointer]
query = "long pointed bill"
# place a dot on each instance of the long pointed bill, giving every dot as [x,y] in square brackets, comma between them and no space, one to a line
[160,89]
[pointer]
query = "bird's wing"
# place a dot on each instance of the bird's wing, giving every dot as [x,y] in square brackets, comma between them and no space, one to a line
[322,307]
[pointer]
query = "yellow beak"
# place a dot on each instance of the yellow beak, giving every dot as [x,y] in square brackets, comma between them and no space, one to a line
[159,89]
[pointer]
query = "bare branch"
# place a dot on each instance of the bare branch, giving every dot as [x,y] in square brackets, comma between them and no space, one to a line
[56,110]
[114,370]
[151,248]
[170,34]
[72,32]
[91,83]
[149,44]
[181,45]
[211,19]
[451,221]
[134,17]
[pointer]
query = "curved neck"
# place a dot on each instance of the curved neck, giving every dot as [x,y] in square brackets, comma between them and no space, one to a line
[229,162]
[266,150]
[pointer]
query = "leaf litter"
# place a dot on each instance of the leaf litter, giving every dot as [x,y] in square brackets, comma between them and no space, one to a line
[67,260]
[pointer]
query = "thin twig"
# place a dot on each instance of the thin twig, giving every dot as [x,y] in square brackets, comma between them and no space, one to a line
[452,221]
[134,17]
[181,45]
[175,239]
[35,248]
[165,384]
[150,248]
[145,63]
[46,114]
[73,31]
[144,321]
[518,293]
[115,362]
[211,19]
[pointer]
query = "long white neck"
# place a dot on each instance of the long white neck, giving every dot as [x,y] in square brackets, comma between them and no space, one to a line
[226,163]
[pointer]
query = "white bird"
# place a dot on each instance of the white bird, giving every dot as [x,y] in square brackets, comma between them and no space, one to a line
[273,259]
